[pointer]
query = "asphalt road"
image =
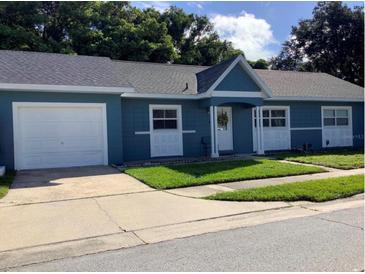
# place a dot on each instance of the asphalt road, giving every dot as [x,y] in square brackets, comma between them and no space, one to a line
[326,242]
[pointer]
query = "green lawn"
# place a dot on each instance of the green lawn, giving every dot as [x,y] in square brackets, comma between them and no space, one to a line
[174,176]
[336,159]
[5,183]
[315,191]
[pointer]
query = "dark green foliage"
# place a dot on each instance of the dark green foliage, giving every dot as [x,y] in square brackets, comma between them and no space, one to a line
[5,183]
[332,42]
[113,29]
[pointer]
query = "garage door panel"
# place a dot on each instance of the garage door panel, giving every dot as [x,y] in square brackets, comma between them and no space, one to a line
[67,145]
[34,161]
[275,137]
[59,136]
[337,126]
[59,114]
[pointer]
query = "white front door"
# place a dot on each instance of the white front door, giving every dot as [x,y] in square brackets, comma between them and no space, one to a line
[224,128]
[166,130]
[337,126]
[49,135]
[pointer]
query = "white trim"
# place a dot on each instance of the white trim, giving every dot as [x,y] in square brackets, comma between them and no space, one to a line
[215,122]
[349,109]
[238,94]
[147,132]
[206,95]
[16,135]
[303,98]
[165,96]
[213,137]
[306,128]
[142,132]
[179,124]
[247,68]
[65,88]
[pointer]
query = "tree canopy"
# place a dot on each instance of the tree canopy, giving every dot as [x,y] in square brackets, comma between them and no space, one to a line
[332,42]
[114,29]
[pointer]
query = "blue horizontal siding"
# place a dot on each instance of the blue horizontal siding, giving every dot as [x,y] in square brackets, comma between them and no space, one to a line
[135,117]
[308,114]
[113,108]
[242,129]
[302,137]
[237,80]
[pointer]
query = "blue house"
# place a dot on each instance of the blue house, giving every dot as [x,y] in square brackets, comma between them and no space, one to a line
[61,110]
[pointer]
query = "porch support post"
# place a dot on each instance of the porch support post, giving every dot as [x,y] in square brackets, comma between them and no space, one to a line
[213,132]
[259,131]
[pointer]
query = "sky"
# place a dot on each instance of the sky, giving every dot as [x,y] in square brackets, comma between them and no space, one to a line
[258,28]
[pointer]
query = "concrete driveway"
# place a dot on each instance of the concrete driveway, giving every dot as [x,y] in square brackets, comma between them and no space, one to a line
[49,185]
[58,213]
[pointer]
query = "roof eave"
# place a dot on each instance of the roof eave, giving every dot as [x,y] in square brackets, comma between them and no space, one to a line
[64,88]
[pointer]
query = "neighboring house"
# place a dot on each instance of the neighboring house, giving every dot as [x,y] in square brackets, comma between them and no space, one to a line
[62,110]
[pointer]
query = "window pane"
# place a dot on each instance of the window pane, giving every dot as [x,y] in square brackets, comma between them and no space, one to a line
[329,121]
[265,113]
[342,121]
[223,120]
[278,113]
[278,122]
[158,124]
[171,124]
[341,113]
[266,122]
[329,113]
[158,113]
[170,113]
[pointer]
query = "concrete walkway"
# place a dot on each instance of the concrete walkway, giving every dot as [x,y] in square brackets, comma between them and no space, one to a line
[205,190]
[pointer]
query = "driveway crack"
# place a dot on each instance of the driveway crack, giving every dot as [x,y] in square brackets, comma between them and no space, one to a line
[337,222]
[108,215]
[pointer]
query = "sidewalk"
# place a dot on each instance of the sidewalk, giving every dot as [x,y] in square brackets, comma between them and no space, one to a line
[205,190]
[149,235]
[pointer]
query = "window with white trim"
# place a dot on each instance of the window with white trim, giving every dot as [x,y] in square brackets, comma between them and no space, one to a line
[275,118]
[335,117]
[164,118]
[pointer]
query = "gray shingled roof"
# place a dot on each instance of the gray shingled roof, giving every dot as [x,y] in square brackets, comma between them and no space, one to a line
[309,84]
[59,69]
[159,78]
[207,77]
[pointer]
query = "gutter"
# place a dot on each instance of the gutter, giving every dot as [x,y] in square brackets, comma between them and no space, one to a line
[64,88]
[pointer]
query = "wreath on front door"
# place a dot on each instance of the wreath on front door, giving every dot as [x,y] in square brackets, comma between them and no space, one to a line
[223,119]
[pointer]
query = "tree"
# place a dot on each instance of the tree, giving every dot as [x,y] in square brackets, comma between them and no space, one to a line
[113,29]
[261,64]
[332,42]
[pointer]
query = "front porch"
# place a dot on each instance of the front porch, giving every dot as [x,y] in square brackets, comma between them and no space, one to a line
[231,128]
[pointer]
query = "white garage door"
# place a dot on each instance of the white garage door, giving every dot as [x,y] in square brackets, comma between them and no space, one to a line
[48,135]
[276,129]
[337,126]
